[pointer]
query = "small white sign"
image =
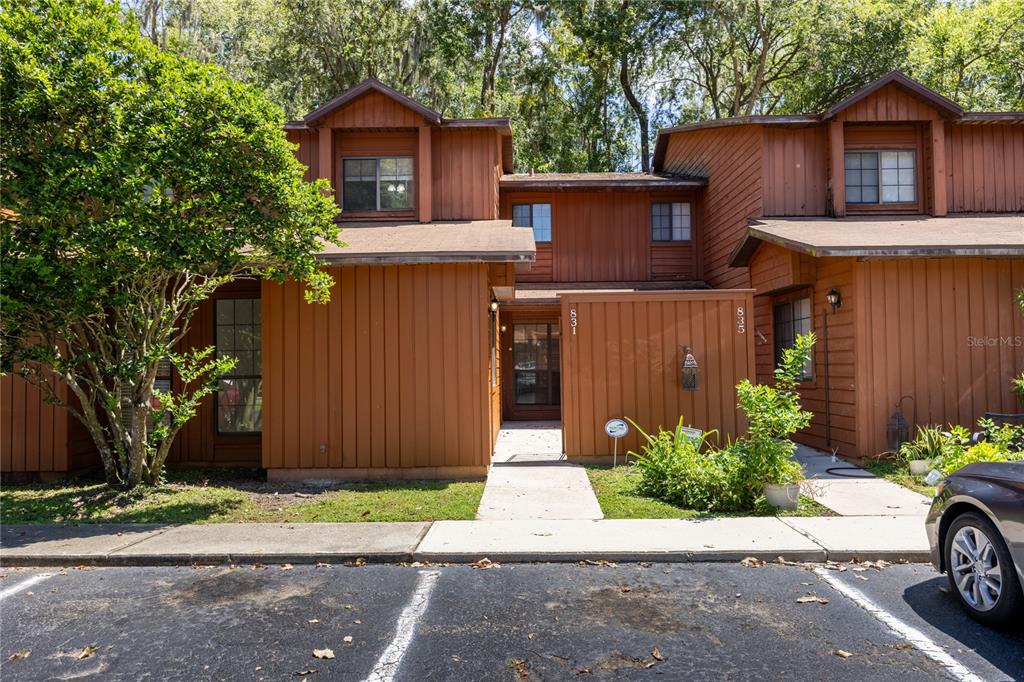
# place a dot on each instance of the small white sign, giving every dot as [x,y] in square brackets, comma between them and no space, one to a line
[616,428]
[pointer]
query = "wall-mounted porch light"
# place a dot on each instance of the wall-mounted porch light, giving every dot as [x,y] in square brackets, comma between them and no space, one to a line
[691,372]
[834,299]
[494,305]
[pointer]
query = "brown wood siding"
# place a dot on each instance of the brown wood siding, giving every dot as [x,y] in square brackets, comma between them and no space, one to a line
[774,268]
[391,374]
[944,331]
[888,103]
[373,110]
[817,276]
[606,237]
[795,162]
[307,152]
[985,168]
[731,158]
[33,434]
[465,165]
[626,356]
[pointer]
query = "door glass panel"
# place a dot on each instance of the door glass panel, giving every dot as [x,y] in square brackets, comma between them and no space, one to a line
[535,362]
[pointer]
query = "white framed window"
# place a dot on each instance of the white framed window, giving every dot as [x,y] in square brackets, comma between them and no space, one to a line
[881,177]
[377,184]
[537,216]
[670,222]
[791,318]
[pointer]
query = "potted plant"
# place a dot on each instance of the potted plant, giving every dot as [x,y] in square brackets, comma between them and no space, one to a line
[929,446]
[774,414]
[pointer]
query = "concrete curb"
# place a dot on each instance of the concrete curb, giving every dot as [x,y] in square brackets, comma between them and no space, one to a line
[414,544]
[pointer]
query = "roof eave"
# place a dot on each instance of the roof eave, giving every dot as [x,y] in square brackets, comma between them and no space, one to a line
[414,258]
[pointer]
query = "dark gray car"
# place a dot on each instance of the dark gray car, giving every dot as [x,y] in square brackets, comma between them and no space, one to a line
[976,531]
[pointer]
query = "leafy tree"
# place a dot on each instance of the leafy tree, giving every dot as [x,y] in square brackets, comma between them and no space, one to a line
[134,182]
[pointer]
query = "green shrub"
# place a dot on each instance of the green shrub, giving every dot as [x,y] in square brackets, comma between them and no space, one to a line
[680,470]
[982,452]
[930,444]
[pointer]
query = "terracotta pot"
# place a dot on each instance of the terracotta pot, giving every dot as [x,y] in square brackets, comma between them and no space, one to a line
[782,496]
[919,467]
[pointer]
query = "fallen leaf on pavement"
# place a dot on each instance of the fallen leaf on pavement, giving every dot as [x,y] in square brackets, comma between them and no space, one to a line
[811,599]
[834,565]
[599,562]
[357,622]
[842,654]
[626,589]
[301,495]
[860,577]
[312,621]
[786,562]
[303,673]
[323,653]
[87,652]
[347,639]
[484,564]
[531,635]
[880,564]
[752,562]
[321,564]
[18,655]
[360,561]
[456,659]
[656,652]
[257,565]
[642,564]
[519,665]
[583,671]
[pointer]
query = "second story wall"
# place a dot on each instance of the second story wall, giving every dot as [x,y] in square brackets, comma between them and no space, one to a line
[984,168]
[731,158]
[466,167]
[605,236]
[795,170]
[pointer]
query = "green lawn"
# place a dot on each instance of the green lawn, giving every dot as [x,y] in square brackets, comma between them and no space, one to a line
[899,474]
[617,495]
[194,496]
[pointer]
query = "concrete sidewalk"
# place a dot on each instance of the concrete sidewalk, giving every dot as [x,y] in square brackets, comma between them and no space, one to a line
[529,478]
[849,490]
[892,538]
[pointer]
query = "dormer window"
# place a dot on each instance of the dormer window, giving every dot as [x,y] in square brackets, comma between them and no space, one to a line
[881,177]
[370,184]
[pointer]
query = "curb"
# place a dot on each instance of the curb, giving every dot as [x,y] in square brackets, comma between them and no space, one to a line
[519,557]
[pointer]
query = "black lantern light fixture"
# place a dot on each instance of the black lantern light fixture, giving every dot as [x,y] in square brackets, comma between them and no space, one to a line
[494,305]
[834,299]
[691,372]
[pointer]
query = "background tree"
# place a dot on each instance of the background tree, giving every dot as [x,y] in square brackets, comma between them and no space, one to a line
[134,182]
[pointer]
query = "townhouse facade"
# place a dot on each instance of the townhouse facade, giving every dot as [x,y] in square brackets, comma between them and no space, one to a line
[467,294]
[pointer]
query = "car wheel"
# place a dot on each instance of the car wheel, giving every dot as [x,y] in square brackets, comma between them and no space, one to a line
[980,570]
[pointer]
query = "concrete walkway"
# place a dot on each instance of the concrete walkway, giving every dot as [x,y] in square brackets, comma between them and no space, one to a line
[529,478]
[849,490]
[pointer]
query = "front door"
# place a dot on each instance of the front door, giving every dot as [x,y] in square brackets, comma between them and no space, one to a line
[533,387]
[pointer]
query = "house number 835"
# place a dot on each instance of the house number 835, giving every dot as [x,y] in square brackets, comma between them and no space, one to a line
[741,320]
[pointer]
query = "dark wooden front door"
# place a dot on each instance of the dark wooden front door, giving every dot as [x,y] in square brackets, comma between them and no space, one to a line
[532,370]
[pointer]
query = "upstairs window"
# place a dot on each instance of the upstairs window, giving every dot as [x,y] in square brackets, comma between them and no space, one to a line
[383,184]
[670,222]
[790,319]
[537,216]
[881,177]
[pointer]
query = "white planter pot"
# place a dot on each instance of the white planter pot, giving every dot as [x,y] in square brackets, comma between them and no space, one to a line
[919,467]
[782,496]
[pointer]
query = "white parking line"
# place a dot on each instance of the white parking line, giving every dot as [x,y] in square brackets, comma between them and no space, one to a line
[387,664]
[24,584]
[913,636]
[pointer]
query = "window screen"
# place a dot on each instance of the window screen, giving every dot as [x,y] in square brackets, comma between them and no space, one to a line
[792,318]
[670,222]
[537,216]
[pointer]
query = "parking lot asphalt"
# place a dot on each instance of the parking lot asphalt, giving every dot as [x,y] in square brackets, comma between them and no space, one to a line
[529,621]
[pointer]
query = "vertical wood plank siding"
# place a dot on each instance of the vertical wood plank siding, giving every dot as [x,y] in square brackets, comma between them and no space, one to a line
[626,357]
[606,237]
[373,110]
[731,158]
[465,164]
[808,277]
[795,163]
[33,435]
[888,103]
[985,168]
[391,374]
[945,331]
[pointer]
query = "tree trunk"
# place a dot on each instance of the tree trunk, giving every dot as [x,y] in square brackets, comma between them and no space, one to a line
[641,114]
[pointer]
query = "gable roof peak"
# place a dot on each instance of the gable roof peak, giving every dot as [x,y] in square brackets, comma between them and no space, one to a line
[905,83]
[365,87]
